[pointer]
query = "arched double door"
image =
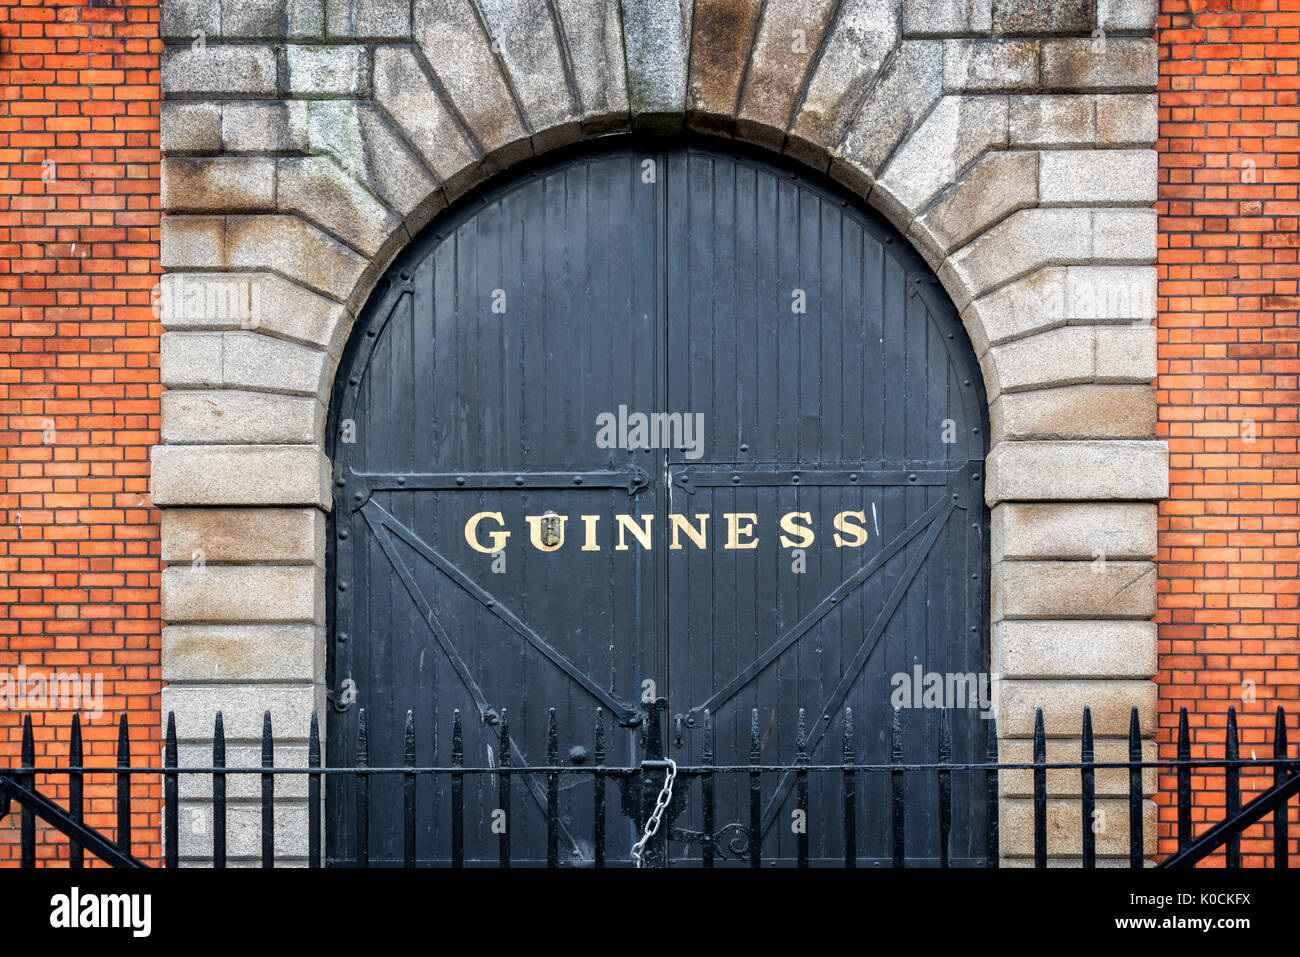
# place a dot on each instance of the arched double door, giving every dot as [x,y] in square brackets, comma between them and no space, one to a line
[656,420]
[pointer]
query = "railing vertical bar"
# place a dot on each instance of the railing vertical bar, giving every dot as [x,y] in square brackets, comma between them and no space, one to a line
[362,778]
[503,794]
[218,794]
[1087,781]
[992,850]
[801,788]
[1281,842]
[457,792]
[313,793]
[1135,850]
[268,793]
[1040,792]
[28,780]
[706,792]
[945,786]
[1232,787]
[76,793]
[170,794]
[598,789]
[123,785]
[552,793]
[408,793]
[755,794]
[850,790]
[1184,781]
[898,786]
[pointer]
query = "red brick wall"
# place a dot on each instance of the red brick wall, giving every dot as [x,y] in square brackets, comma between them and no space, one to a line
[79,389]
[1228,385]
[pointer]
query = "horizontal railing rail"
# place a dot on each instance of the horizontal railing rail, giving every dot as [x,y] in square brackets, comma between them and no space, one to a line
[642,783]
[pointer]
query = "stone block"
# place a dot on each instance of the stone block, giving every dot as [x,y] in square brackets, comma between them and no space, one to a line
[1075,412]
[1077,471]
[938,18]
[319,190]
[260,301]
[1127,119]
[297,250]
[459,52]
[989,66]
[863,34]
[219,69]
[368,19]
[1033,17]
[247,360]
[593,35]
[910,84]
[264,127]
[189,127]
[996,186]
[243,831]
[239,475]
[656,38]
[324,71]
[405,93]
[957,132]
[1126,354]
[243,593]
[1110,701]
[1065,833]
[1022,243]
[723,31]
[1083,531]
[1112,782]
[217,184]
[1044,121]
[789,36]
[1119,64]
[527,42]
[242,707]
[1097,177]
[1074,649]
[1135,15]
[261,652]
[232,417]
[1057,589]
[279,536]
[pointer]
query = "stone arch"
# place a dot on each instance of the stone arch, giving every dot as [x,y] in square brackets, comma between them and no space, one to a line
[1010,143]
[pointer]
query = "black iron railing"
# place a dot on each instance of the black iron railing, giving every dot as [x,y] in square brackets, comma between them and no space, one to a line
[643,787]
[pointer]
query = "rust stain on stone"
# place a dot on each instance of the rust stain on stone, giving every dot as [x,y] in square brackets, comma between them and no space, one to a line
[723,32]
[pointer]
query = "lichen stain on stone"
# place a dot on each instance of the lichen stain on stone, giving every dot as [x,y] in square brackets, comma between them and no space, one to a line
[723,31]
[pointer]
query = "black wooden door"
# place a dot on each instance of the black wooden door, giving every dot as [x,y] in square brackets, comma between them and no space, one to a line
[807,527]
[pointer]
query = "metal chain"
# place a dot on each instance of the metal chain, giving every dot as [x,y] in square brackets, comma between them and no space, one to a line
[661,804]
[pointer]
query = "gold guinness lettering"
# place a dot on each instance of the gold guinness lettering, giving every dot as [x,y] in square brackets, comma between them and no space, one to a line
[546,531]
